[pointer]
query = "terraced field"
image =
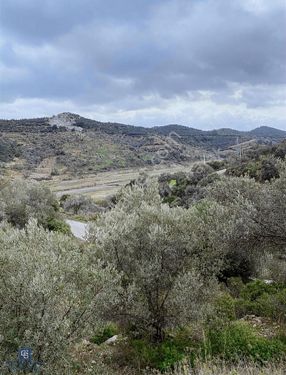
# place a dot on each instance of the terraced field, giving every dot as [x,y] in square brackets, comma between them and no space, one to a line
[105,184]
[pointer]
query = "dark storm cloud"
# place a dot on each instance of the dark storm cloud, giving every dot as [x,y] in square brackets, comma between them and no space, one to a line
[118,53]
[38,21]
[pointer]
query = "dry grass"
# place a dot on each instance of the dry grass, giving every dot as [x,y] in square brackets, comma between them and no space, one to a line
[225,369]
[107,360]
[96,367]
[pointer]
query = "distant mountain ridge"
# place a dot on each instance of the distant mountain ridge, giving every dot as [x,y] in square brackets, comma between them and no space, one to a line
[266,131]
[69,120]
[70,144]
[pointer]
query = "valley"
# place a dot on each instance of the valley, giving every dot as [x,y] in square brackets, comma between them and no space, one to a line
[69,146]
[106,184]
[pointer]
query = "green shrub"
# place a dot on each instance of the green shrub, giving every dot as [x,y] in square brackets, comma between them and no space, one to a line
[169,199]
[58,225]
[172,183]
[238,340]
[257,288]
[216,164]
[235,286]
[104,334]
[161,356]
[234,341]
[225,307]
[262,299]
[282,337]
[246,307]
[273,305]
[63,198]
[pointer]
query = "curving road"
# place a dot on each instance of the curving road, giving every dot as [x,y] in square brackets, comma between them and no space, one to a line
[78,229]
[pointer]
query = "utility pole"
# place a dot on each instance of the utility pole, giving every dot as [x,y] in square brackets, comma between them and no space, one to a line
[239,148]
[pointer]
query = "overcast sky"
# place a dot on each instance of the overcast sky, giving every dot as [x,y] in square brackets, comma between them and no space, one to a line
[201,63]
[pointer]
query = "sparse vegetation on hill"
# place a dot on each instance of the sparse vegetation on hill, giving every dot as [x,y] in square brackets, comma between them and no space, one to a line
[74,145]
[258,162]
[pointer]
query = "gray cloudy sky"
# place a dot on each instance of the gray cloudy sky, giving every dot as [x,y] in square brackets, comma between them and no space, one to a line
[202,63]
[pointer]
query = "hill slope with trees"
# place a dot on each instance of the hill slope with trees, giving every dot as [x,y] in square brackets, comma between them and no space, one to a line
[73,145]
[195,284]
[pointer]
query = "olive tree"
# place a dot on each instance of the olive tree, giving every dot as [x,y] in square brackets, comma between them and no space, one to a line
[21,200]
[262,205]
[167,258]
[257,216]
[81,205]
[50,292]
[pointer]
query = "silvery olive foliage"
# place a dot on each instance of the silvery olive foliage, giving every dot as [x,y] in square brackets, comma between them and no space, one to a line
[256,213]
[263,207]
[167,258]
[50,292]
[21,200]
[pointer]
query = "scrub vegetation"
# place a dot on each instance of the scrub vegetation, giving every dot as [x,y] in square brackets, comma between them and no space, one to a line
[181,274]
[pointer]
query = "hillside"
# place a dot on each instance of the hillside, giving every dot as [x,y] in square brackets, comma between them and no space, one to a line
[181,275]
[266,131]
[70,144]
[184,188]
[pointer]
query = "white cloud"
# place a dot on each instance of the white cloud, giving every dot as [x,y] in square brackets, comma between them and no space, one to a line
[262,6]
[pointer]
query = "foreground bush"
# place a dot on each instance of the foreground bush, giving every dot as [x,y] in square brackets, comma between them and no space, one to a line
[167,267]
[231,342]
[257,213]
[262,299]
[21,201]
[237,341]
[221,368]
[50,292]
[161,356]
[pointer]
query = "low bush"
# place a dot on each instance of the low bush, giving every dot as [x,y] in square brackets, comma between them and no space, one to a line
[104,334]
[224,306]
[58,225]
[160,356]
[238,340]
[262,299]
[80,205]
[222,368]
[235,286]
[21,201]
[216,164]
[255,289]
[230,342]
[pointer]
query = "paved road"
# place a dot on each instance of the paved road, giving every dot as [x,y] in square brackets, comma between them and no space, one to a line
[78,228]
[222,171]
